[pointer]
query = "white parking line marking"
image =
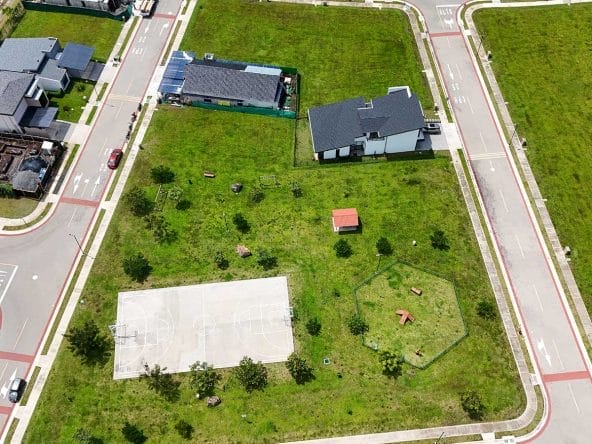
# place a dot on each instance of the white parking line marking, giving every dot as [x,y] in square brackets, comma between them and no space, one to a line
[504,201]
[519,245]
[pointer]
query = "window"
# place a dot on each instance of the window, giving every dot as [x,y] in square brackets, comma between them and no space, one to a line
[373,135]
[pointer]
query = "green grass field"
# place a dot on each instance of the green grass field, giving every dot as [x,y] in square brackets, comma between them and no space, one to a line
[71,103]
[403,200]
[546,76]
[15,208]
[100,33]
[437,324]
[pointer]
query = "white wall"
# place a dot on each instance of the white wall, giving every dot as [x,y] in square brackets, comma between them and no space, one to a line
[329,154]
[400,143]
[344,152]
[372,147]
[50,84]
[8,124]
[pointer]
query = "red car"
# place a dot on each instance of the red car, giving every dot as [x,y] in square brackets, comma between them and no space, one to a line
[115,158]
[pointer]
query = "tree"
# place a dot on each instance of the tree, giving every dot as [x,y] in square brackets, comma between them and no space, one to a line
[6,190]
[471,403]
[137,202]
[313,326]
[184,429]
[392,363]
[162,174]
[486,309]
[252,376]
[357,325]
[384,247]
[162,383]
[439,240]
[137,267]
[299,369]
[203,378]
[133,434]
[87,342]
[220,260]
[266,259]
[342,248]
[241,223]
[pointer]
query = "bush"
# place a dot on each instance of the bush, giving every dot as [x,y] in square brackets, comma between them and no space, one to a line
[299,369]
[357,325]
[133,434]
[439,240]
[137,202]
[313,326]
[266,259]
[471,403]
[241,223]
[162,383]
[184,429]
[87,342]
[486,309]
[162,230]
[6,190]
[183,205]
[256,195]
[342,248]
[137,267]
[252,376]
[220,260]
[162,174]
[203,379]
[392,363]
[384,247]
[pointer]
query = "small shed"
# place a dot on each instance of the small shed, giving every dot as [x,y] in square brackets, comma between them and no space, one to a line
[345,220]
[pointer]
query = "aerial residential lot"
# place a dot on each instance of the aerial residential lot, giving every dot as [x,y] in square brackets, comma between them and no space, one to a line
[546,77]
[403,200]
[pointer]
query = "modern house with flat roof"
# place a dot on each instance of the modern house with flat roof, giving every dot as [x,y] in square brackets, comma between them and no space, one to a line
[386,125]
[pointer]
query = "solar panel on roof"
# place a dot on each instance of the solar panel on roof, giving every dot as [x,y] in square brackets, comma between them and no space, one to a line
[174,73]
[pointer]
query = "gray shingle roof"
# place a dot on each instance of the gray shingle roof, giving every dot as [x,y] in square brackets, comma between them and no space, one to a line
[224,83]
[25,54]
[27,181]
[75,56]
[51,70]
[338,124]
[13,86]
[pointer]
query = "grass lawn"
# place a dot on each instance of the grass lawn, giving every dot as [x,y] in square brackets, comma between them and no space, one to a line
[15,208]
[100,33]
[546,76]
[404,200]
[438,322]
[71,103]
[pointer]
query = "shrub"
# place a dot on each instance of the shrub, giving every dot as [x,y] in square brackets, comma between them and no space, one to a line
[6,190]
[241,223]
[296,190]
[439,240]
[384,247]
[471,403]
[162,174]
[266,259]
[183,205]
[137,202]
[220,260]
[252,376]
[87,342]
[256,195]
[342,248]
[162,230]
[392,363]
[486,309]
[203,379]
[313,326]
[137,267]
[133,434]
[184,429]
[299,369]
[162,383]
[357,325]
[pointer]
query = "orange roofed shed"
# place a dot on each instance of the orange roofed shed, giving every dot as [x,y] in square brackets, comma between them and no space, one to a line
[345,220]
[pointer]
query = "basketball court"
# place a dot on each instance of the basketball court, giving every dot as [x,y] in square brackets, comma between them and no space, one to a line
[218,323]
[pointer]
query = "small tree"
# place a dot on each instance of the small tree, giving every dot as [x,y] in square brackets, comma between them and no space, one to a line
[220,260]
[6,190]
[162,174]
[439,240]
[241,223]
[137,202]
[203,378]
[184,429]
[183,205]
[342,248]
[486,309]
[133,434]
[87,342]
[357,325]
[392,363]
[384,247]
[252,376]
[162,383]
[471,403]
[266,259]
[299,369]
[137,267]
[313,326]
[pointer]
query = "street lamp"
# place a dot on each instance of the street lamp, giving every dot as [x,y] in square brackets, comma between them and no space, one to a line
[481,38]
[80,246]
[514,133]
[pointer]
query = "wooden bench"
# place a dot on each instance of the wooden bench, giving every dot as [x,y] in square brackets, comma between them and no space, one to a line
[416,290]
[209,174]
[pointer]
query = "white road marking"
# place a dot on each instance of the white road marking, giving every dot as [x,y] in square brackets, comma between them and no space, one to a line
[147,28]
[96,184]
[450,73]
[504,201]
[470,105]
[86,181]
[72,217]
[483,141]
[573,398]
[519,246]
[4,389]
[543,349]
[35,277]
[164,26]
[9,282]
[118,111]
[558,357]
[536,293]
[485,156]
[449,23]
[18,338]
[3,370]
[77,182]
[458,70]
[491,166]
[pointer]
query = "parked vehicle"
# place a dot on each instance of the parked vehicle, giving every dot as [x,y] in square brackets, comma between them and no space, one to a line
[115,158]
[15,390]
[432,128]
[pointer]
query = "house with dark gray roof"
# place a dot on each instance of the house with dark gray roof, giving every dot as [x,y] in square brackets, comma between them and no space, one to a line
[386,125]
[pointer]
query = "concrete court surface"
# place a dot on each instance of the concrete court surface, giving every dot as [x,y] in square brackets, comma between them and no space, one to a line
[218,323]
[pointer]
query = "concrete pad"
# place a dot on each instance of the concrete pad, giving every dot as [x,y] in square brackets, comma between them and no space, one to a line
[218,323]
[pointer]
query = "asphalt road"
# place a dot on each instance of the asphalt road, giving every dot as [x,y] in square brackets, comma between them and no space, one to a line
[35,265]
[547,321]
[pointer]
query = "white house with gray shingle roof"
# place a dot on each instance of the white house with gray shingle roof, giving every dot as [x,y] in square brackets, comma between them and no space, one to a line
[385,125]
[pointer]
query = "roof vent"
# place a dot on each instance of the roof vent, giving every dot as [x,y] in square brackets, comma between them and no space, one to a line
[209,56]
